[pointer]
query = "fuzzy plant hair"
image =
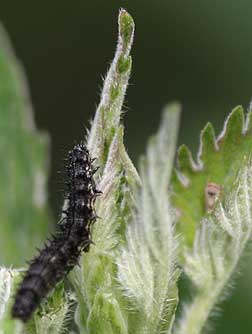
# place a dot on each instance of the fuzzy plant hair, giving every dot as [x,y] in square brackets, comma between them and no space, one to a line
[170,216]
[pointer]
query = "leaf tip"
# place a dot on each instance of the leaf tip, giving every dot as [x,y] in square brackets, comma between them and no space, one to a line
[126,28]
[185,162]
[207,142]
[233,126]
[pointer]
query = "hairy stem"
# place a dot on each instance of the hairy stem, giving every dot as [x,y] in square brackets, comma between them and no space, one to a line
[197,313]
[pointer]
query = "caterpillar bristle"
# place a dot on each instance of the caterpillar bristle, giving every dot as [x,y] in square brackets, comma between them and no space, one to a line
[62,251]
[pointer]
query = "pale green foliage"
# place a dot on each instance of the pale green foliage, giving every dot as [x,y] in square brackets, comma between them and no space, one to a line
[218,161]
[213,243]
[127,282]
[7,278]
[53,315]
[100,308]
[94,280]
[218,247]
[23,168]
[147,265]
[51,318]
[108,114]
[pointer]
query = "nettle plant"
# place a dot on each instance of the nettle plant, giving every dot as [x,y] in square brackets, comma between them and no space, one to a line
[155,222]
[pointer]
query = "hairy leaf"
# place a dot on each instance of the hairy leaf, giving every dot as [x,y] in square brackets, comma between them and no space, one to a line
[218,246]
[218,162]
[24,165]
[100,308]
[147,265]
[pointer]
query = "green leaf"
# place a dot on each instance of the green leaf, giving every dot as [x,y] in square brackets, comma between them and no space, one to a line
[218,162]
[98,267]
[8,280]
[107,308]
[147,264]
[24,216]
[100,306]
[52,316]
[218,247]
[108,114]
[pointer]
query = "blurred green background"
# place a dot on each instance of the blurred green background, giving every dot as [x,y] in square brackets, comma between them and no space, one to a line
[197,52]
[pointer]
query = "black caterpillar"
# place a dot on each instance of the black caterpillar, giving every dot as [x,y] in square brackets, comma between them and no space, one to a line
[62,252]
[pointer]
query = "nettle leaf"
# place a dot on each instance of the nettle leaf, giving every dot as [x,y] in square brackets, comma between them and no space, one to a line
[218,162]
[108,114]
[8,278]
[98,301]
[100,307]
[218,247]
[54,314]
[147,264]
[24,165]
